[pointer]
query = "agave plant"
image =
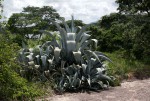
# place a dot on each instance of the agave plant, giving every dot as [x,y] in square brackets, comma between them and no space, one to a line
[69,60]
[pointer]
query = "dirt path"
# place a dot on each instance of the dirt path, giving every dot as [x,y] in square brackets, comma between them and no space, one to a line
[138,90]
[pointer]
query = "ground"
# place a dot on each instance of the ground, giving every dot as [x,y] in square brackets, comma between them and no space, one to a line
[137,90]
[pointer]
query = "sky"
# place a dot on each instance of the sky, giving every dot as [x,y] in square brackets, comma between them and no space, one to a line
[86,10]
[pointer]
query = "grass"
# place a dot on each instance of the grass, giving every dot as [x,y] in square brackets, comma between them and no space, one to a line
[123,68]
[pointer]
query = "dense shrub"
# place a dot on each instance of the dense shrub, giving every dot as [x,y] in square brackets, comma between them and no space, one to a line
[12,86]
[16,38]
[129,33]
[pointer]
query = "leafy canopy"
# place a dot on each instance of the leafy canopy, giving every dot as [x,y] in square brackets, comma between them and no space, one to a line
[31,19]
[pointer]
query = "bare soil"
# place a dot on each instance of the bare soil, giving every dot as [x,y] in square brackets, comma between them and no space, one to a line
[137,90]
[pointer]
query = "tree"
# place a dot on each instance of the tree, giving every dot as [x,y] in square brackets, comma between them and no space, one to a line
[76,22]
[32,19]
[134,6]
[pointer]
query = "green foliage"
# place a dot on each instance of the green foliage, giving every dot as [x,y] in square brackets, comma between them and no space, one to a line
[124,32]
[70,61]
[12,86]
[17,38]
[46,37]
[31,19]
[134,6]
[127,68]
[76,22]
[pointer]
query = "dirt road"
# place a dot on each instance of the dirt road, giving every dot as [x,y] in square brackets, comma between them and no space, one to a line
[138,90]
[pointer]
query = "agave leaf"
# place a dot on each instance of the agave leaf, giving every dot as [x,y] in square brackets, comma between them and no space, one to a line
[84,66]
[61,85]
[50,61]
[49,50]
[75,29]
[100,70]
[21,57]
[101,84]
[57,54]
[44,62]
[91,53]
[97,71]
[47,73]
[41,51]
[103,56]
[69,81]
[74,82]
[72,24]
[71,46]
[30,57]
[89,80]
[79,27]
[66,26]
[95,41]
[70,70]
[77,56]
[55,43]
[78,82]
[51,43]
[37,66]
[83,46]
[38,59]
[93,61]
[81,33]
[63,64]
[93,73]
[84,38]
[63,35]
[71,36]
[31,50]
[97,85]
[108,84]
[56,24]
[42,77]
[47,32]
[97,64]
[62,67]
[26,53]
[104,77]
[31,63]
[89,66]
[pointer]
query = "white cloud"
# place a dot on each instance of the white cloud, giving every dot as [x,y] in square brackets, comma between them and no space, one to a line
[86,10]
